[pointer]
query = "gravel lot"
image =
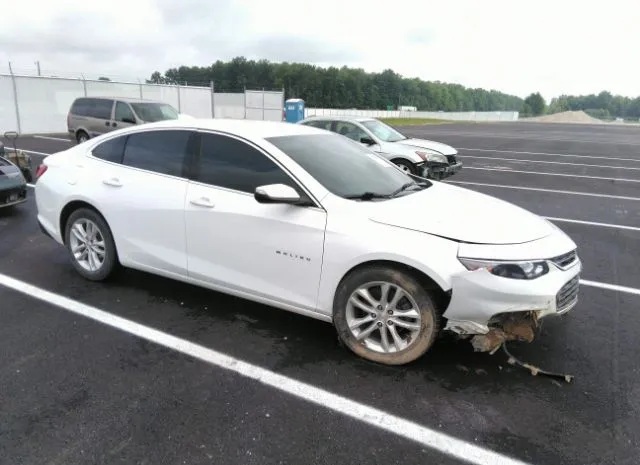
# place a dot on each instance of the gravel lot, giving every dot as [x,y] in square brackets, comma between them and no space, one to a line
[73,390]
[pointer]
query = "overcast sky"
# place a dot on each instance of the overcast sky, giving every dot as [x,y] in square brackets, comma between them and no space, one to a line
[518,47]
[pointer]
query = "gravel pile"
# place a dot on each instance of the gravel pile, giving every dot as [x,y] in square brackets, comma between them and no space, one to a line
[565,117]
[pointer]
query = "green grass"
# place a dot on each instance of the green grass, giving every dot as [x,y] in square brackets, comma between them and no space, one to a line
[415,121]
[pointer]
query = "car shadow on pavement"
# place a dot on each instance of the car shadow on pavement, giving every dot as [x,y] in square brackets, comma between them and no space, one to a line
[286,341]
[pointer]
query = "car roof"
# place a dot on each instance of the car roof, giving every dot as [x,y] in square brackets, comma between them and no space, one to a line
[242,127]
[340,118]
[122,99]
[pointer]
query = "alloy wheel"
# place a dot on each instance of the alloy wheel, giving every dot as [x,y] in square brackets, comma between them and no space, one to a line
[383,316]
[87,244]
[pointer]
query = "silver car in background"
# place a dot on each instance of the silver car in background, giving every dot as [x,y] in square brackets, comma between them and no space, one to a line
[421,157]
[92,116]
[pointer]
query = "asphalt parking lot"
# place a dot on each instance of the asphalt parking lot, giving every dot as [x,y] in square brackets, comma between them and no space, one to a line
[74,390]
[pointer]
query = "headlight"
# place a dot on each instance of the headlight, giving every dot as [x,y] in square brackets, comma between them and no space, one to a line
[513,270]
[430,156]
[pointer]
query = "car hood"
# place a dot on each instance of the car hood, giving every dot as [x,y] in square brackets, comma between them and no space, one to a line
[462,215]
[415,144]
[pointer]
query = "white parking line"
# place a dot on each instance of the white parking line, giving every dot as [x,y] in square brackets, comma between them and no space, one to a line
[637,160]
[611,287]
[52,138]
[520,160]
[523,136]
[539,189]
[593,223]
[441,442]
[602,178]
[35,153]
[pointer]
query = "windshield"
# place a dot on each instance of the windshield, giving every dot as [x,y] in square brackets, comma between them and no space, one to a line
[383,131]
[151,112]
[342,166]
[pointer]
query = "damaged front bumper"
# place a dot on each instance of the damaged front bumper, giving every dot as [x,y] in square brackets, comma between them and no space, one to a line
[439,171]
[491,309]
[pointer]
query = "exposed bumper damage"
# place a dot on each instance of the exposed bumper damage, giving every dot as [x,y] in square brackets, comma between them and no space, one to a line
[521,326]
[490,310]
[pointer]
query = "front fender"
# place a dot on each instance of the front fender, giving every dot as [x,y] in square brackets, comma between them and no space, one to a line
[412,158]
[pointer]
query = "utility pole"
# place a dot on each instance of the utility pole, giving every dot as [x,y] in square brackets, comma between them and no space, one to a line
[38,65]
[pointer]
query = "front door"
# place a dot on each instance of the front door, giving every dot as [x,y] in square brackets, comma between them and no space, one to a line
[273,251]
[123,116]
[355,133]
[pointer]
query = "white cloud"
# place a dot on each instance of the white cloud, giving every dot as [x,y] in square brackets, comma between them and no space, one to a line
[517,47]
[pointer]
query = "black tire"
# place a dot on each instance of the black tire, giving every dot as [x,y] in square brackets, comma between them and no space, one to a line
[406,165]
[429,315]
[79,135]
[28,175]
[110,262]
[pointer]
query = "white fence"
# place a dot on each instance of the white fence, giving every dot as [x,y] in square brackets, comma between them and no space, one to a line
[444,115]
[33,104]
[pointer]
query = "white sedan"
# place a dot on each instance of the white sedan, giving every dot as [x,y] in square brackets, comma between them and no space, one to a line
[308,221]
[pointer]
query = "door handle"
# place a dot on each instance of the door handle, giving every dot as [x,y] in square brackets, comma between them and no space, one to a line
[114,124]
[115,182]
[107,123]
[202,202]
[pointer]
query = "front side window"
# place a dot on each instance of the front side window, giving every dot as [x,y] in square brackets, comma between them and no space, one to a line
[151,112]
[124,113]
[383,131]
[160,151]
[350,130]
[110,150]
[326,125]
[233,164]
[343,167]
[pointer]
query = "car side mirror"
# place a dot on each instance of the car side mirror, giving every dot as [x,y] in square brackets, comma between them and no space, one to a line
[11,135]
[276,193]
[367,140]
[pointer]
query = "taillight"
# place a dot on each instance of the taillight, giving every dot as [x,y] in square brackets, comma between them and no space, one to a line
[68,120]
[40,170]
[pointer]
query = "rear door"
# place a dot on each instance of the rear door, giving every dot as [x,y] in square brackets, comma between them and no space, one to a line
[140,186]
[99,116]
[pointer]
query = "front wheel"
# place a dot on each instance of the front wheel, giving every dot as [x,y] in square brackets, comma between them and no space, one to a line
[82,137]
[385,315]
[90,245]
[405,166]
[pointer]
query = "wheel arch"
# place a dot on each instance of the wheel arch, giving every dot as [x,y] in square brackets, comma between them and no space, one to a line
[72,206]
[395,158]
[438,288]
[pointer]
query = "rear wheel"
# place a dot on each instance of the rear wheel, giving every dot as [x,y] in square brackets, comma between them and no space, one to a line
[81,137]
[90,245]
[385,315]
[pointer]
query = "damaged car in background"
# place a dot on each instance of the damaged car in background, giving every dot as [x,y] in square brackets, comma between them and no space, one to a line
[13,185]
[421,157]
[306,220]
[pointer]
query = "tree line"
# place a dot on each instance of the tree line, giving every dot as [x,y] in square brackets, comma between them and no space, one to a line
[602,106]
[346,87]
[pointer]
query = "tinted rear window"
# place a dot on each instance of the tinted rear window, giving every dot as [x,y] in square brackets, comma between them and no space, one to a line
[93,107]
[110,150]
[161,151]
